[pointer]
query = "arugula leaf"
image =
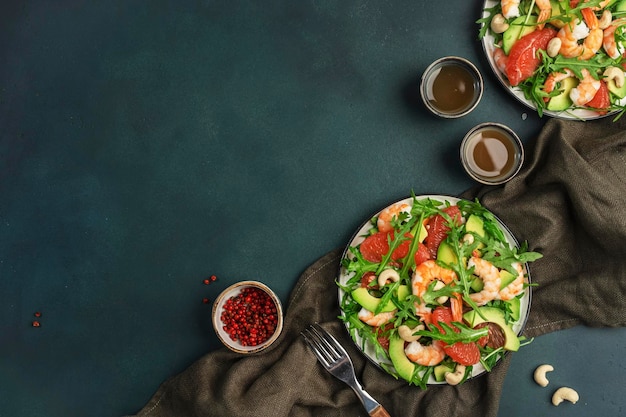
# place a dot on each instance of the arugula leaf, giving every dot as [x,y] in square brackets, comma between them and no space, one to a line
[450,335]
[431,295]
[503,256]
[489,357]
[486,21]
[391,289]
[425,371]
[421,210]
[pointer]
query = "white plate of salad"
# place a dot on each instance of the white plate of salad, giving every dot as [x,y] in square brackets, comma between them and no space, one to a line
[561,58]
[434,289]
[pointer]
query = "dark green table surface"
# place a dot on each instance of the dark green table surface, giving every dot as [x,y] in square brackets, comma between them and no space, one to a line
[147,145]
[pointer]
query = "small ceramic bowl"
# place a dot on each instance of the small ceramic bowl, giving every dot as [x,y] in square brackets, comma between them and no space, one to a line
[451,87]
[255,335]
[491,153]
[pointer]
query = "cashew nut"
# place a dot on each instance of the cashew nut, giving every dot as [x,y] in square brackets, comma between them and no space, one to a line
[554,46]
[453,378]
[439,285]
[406,333]
[468,238]
[540,374]
[564,393]
[605,20]
[615,74]
[388,274]
[499,24]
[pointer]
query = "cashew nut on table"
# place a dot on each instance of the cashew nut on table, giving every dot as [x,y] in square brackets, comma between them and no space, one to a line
[564,393]
[540,374]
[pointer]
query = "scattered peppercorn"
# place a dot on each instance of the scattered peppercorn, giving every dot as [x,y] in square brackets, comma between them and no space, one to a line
[205,300]
[36,323]
[250,317]
[213,278]
[206,282]
[37,314]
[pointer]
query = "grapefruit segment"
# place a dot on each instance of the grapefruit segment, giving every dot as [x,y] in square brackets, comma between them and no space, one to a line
[523,59]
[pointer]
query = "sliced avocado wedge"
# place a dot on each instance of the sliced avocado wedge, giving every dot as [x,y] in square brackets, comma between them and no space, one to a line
[369,302]
[496,316]
[556,11]
[562,101]
[515,306]
[440,371]
[446,254]
[475,224]
[476,283]
[517,28]
[506,278]
[423,233]
[620,92]
[403,365]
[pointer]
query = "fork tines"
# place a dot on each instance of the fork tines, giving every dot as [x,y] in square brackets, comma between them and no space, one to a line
[325,347]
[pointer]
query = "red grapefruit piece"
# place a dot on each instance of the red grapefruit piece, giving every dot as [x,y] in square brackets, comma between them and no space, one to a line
[523,59]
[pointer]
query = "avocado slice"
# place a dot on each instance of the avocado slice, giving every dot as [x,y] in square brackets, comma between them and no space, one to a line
[620,92]
[506,278]
[446,254]
[369,302]
[496,316]
[515,306]
[476,284]
[562,101]
[475,224]
[441,370]
[423,233]
[556,11]
[621,6]
[403,365]
[517,28]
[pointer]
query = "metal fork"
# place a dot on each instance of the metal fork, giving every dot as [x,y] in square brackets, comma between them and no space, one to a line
[337,362]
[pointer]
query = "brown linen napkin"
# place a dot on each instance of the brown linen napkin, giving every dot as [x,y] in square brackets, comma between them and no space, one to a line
[288,381]
[569,202]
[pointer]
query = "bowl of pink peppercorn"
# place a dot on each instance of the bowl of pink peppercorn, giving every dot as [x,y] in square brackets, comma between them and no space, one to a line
[247,317]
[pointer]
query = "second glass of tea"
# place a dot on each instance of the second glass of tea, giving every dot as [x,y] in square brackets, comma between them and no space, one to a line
[492,153]
[451,87]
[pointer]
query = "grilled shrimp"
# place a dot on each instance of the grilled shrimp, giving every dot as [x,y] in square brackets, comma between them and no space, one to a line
[545,11]
[426,273]
[429,355]
[514,288]
[490,275]
[575,31]
[389,214]
[610,45]
[377,320]
[586,89]
[510,8]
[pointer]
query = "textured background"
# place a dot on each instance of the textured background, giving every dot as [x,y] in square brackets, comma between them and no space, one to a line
[146,145]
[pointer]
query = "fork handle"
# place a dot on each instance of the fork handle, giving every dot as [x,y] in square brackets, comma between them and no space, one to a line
[372,406]
[379,412]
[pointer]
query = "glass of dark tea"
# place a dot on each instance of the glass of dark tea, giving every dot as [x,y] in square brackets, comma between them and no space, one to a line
[492,153]
[451,87]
